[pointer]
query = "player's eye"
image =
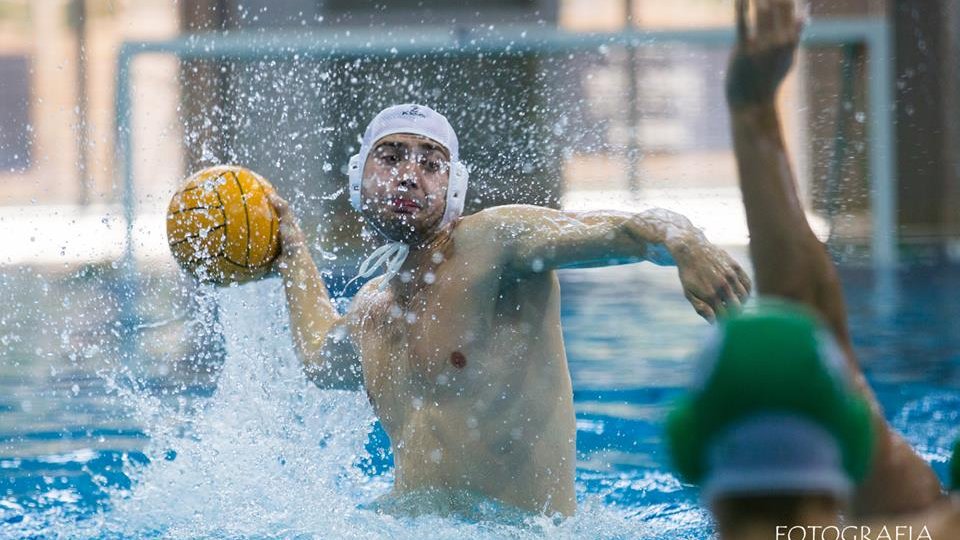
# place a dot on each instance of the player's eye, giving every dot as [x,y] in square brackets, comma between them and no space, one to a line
[390,158]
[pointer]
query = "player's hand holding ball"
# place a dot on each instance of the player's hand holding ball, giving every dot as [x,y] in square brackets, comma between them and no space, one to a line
[292,239]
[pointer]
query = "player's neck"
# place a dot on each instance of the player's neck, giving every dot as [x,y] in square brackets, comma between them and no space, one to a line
[436,241]
[426,255]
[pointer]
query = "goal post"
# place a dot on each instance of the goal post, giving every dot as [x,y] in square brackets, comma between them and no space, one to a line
[873,34]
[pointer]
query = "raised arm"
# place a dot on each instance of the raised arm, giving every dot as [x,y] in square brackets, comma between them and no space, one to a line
[320,334]
[540,239]
[788,259]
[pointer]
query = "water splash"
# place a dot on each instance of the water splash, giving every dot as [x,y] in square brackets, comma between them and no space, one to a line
[268,455]
[261,454]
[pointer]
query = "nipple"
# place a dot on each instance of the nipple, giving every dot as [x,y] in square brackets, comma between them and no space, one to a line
[458,360]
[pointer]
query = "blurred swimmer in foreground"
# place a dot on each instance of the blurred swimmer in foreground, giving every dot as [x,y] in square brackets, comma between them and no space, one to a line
[459,341]
[782,431]
[778,436]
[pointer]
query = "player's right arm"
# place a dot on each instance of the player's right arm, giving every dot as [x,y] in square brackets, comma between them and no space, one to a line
[320,334]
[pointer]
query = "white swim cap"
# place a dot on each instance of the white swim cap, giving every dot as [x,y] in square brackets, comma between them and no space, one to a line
[417,120]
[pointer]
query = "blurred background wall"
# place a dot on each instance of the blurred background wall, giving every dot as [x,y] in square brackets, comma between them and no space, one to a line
[58,61]
[547,129]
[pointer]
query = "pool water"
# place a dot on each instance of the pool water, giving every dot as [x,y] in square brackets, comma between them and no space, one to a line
[98,441]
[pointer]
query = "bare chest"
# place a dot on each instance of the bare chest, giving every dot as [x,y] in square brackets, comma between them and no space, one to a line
[458,338]
[430,343]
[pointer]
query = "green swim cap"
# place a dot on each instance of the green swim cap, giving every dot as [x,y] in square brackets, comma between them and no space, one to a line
[773,409]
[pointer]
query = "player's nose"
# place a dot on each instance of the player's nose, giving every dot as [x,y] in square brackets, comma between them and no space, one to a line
[407,176]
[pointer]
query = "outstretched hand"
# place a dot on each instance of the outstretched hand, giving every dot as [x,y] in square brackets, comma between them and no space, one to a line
[764,51]
[712,281]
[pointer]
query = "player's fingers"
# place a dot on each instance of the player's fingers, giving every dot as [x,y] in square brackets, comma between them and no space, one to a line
[744,280]
[275,199]
[766,21]
[799,22]
[725,307]
[789,18]
[741,8]
[729,310]
[739,281]
[728,295]
[724,302]
[739,288]
[279,204]
[702,308]
[781,16]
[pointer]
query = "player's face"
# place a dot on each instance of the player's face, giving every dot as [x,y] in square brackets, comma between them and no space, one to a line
[404,187]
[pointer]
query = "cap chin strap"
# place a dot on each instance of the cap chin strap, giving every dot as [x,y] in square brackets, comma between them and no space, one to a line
[392,254]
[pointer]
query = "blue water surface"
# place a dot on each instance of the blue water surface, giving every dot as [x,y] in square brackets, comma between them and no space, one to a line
[74,442]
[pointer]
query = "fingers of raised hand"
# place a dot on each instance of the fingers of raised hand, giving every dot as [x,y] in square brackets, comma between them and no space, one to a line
[766,19]
[776,21]
[742,9]
[785,17]
[764,52]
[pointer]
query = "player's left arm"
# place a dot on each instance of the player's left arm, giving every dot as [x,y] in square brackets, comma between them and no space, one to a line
[538,239]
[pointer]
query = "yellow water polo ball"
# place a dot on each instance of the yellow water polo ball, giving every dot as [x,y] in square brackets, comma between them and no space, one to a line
[221,227]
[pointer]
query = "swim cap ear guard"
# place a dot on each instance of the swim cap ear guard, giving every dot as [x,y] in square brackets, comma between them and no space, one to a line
[774,358]
[456,188]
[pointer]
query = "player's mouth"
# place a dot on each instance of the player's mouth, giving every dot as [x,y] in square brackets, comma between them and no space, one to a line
[403,205]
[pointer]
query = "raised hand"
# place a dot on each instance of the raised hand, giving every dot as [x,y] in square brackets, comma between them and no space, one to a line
[764,51]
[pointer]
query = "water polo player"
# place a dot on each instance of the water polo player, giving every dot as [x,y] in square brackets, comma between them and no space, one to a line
[459,340]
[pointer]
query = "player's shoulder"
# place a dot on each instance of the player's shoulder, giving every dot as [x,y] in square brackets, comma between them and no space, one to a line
[506,212]
[369,295]
[498,219]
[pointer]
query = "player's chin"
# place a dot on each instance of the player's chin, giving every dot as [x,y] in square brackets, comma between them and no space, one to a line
[396,226]
[405,224]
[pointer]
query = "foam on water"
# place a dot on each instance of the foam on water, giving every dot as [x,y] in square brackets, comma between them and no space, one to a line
[269,455]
